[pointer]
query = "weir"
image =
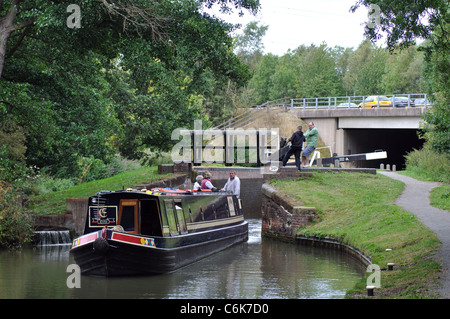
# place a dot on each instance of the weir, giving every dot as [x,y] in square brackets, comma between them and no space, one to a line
[52,237]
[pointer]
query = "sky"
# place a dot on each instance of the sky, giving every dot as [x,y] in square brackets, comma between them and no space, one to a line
[296,22]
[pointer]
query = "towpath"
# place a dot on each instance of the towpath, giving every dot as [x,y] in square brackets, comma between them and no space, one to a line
[415,199]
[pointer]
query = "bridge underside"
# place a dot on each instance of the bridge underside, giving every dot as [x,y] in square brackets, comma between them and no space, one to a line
[396,142]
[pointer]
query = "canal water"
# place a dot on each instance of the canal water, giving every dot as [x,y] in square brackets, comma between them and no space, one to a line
[260,268]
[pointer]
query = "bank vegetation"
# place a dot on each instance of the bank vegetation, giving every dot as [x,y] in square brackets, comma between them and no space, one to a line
[360,211]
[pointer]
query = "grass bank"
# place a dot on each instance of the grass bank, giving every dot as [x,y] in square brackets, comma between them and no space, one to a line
[55,203]
[359,210]
[428,165]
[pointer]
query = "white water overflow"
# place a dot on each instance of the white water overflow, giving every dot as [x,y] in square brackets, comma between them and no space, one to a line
[52,237]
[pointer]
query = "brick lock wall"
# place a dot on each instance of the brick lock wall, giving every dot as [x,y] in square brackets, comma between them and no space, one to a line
[280,219]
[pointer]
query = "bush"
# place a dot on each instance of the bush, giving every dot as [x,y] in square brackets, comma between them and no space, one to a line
[10,170]
[91,169]
[428,164]
[15,224]
[47,184]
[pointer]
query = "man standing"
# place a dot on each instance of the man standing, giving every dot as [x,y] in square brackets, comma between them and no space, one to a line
[233,184]
[296,140]
[312,137]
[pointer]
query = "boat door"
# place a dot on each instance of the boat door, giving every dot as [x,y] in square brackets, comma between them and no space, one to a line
[150,218]
[128,215]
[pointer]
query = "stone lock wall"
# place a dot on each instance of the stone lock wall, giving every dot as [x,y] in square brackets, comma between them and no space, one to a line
[280,217]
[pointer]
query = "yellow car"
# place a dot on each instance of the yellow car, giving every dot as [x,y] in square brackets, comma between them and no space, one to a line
[375,101]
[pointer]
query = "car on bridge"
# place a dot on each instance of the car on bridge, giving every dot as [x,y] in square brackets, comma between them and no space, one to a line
[375,101]
[401,101]
[347,105]
[422,102]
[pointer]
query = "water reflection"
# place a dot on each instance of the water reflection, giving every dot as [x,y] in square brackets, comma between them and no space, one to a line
[38,272]
[260,268]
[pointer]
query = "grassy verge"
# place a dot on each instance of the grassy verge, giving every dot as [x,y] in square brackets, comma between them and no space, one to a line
[428,165]
[360,211]
[439,196]
[55,203]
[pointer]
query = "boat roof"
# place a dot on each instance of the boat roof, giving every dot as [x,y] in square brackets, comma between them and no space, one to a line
[163,191]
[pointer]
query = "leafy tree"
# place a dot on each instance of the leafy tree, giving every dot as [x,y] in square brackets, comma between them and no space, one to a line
[402,22]
[261,81]
[285,77]
[249,46]
[403,72]
[342,56]
[318,75]
[366,67]
[133,71]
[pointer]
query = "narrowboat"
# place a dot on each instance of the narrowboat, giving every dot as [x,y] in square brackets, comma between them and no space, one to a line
[144,232]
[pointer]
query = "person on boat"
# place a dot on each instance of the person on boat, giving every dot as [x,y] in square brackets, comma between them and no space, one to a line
[233,184]
[198,182]
[206,182]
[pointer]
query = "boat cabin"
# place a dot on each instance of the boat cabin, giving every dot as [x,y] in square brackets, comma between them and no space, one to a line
[161,212]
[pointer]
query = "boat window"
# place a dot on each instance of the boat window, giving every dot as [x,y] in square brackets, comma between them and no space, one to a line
[128,218]
[150,218]
[170,216]
[231,206]
[180,218]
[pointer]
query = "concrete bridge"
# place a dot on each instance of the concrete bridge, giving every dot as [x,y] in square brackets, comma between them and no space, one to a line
[348,126]
[356,130]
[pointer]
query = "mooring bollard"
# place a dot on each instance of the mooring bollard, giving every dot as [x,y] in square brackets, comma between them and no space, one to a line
[370,290]
[390,266]
[337,164]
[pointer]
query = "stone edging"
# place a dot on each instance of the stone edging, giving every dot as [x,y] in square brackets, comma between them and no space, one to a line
[285,215]
[334,244]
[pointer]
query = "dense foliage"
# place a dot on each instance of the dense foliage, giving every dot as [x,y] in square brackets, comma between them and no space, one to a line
[74,93]
[401,22]
[119,77]
[321,71]
[15,223]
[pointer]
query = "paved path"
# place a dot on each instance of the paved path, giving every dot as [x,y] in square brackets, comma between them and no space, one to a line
[415,199]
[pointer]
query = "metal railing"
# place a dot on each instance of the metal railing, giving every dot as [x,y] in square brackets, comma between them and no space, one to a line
[336,102]
[364,101]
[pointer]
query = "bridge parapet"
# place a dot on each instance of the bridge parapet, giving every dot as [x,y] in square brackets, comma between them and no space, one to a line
[358,112]
[364,101]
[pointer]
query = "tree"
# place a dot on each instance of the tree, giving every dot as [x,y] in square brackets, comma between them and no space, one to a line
[133,71]
[403,72]
[261,81]
[366,67]
[342,56]
[285,77]
[249,46]
[402,22]
[317,73]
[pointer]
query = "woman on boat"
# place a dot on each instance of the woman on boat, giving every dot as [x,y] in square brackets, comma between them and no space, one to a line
[198,182]
[206,182]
